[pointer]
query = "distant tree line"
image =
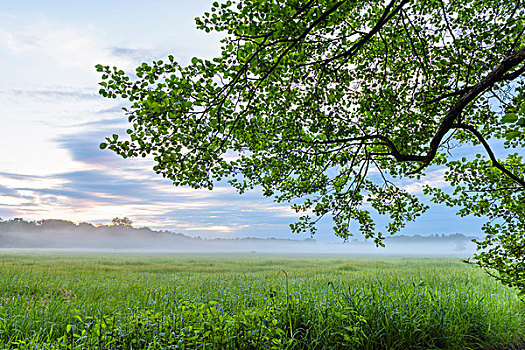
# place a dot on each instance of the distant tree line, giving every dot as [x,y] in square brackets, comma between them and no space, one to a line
[125,224]
[59,225]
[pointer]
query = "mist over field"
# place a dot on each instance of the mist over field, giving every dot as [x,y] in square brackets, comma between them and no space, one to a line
[65,235]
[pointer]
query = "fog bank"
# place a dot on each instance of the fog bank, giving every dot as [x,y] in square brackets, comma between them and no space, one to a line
[64,235]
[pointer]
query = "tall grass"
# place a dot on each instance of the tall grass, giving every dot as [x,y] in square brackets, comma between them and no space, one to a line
[251,302]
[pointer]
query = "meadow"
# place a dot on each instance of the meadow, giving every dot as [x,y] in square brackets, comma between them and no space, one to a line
[252,301]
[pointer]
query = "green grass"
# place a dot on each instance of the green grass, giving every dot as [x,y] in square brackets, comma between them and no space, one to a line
[251,301]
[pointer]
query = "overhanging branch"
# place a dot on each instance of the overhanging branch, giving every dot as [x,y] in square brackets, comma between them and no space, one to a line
[498,74]
[492,157]
[449,122]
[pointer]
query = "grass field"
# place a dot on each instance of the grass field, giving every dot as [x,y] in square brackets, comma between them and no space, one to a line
[119,301]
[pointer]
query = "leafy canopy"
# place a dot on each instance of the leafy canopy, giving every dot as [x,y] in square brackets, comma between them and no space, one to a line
[328,104]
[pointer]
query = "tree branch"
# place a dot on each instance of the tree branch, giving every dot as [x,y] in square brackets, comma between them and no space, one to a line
[394,151]
[449,121]
[450,94]
[386,16]
[513,75]
[498,74]
[495,162]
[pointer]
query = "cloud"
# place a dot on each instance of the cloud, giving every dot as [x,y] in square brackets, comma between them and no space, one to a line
[8,194]
[84,147]
[70,45]
[434,178]
[218,228]
[15,176]
[111,110]
[136,55]
[117,189]
[116,124]
[60,106]
[62,93]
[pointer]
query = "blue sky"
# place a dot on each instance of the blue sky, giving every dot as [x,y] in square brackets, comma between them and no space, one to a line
[53,120]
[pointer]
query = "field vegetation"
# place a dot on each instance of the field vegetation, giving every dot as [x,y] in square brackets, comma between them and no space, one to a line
[252,301]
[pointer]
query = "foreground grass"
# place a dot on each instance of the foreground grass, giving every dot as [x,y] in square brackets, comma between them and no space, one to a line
[251,302]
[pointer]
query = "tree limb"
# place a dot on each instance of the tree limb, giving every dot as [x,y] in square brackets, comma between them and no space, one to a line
[498,74]
[382,21]
[495,162]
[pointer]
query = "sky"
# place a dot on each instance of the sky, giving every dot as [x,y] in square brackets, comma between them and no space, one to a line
[52,121]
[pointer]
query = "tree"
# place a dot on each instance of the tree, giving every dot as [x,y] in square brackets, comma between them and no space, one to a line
[125,221]
[330,104]
[56,224]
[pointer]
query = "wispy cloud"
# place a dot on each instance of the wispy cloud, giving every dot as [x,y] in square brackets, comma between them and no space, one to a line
[54,93]
[434,178]
[135,55]
[111,110]
[68,45]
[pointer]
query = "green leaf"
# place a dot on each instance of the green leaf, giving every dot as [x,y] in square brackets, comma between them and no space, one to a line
[103,145]
[512,135]
[509,118]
